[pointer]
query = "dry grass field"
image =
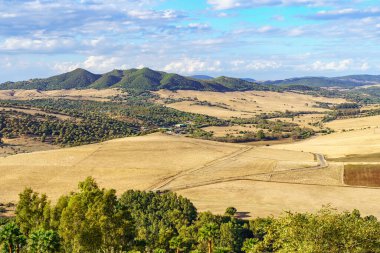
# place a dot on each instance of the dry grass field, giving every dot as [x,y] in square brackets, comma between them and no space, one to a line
[355,123]
[259,181]
[23,145]
[244,104]
[88,94]
[339,144]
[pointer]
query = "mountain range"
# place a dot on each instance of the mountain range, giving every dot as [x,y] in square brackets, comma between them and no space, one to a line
[146,79]
[350,81]
[136,79]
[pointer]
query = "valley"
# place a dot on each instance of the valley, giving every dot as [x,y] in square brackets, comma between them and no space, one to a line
[263,152]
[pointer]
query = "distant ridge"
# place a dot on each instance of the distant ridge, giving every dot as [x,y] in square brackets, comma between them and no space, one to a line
[350,81]
[202,77]
[144,79]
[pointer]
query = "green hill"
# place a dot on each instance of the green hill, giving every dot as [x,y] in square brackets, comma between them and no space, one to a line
[144,79]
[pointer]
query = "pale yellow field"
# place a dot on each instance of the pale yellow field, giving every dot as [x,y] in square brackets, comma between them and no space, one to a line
[88,94]
[257,180]
[121,164]
[339,144]
[23,145]
[355,123]
[245,104]
[264,198]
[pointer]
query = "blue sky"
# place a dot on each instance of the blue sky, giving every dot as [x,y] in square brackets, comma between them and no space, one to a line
[262,39]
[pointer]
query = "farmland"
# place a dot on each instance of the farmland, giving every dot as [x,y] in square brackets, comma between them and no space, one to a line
[257,180]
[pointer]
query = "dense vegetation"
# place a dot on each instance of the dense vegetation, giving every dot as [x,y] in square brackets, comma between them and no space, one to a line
[92,121]
[96,220]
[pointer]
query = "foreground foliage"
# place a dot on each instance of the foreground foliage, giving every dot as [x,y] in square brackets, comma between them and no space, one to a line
[96,220]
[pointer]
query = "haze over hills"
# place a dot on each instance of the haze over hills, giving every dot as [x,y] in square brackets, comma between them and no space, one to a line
[149,80]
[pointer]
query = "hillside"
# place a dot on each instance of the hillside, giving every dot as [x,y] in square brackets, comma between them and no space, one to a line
[144,79]
[343,81]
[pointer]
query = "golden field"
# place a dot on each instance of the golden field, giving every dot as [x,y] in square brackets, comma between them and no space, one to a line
[245,104]
[257,180]
[87,94]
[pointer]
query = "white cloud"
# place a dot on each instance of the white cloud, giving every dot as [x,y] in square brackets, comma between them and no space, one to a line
[232,4]
[331,66]
[152,14]
[38,44]
[95,63]
[188,66]
[255,65]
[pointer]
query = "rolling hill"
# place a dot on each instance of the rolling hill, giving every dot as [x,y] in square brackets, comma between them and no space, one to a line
[144,79]
[351,81]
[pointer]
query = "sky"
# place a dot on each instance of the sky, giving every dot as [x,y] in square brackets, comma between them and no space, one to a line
[260,39]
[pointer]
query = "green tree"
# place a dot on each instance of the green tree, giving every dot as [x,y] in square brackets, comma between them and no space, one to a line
[209,232]
[230,211]
[250,245]
[43,241]
[32,211]
[177,243]
[11,238]
[93,220]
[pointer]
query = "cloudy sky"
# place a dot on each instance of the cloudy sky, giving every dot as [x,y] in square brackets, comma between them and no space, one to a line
[262,39]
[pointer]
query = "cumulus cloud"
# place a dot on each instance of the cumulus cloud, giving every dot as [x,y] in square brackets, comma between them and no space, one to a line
[233,4]
[189,66]
[95,63]
[35,45]
[255,65]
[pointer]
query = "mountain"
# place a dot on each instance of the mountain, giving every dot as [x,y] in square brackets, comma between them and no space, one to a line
[144,79]
[201,77]
[78,78]
[351,81]
[248,79]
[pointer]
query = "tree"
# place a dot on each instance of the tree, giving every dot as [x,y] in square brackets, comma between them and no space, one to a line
[250,245]
[177,243]
[93,221]
[230,211]
[32,211]
[11,238]
[209,232]
[43,241]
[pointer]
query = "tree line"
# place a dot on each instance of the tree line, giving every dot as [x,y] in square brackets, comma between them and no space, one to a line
[96,220]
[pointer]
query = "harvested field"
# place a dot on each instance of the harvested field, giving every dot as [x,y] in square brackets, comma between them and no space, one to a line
[340,144]
[366,158]
[87,94]
[259,181]
[244,104]
[23,145]
[362,175]
[355,123]
[259,199]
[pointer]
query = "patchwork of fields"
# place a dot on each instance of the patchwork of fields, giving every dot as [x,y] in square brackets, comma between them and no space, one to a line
[257,180]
